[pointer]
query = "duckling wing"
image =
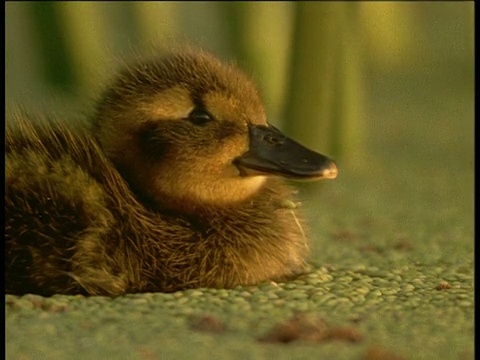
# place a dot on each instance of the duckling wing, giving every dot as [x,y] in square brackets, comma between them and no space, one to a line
[56,212]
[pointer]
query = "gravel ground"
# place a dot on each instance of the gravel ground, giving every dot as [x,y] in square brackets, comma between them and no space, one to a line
[416,311]
[391,267]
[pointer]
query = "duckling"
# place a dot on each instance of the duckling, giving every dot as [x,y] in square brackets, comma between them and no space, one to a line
[176,183]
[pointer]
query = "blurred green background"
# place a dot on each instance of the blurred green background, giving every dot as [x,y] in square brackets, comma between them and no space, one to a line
[319,65]
[385,88]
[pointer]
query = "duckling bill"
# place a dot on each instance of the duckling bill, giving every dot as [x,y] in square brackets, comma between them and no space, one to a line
[176,182]
[272,153]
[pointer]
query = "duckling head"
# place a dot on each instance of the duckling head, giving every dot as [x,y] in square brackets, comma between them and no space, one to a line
[187,131]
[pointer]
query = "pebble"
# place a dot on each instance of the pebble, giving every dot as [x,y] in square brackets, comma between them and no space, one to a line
[375,293]
[390,291]
[408,288]
[362,290]
[194,293]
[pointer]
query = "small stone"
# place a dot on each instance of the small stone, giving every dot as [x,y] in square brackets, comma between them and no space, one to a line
[443,285]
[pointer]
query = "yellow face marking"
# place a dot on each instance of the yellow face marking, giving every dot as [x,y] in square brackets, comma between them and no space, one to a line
[244,108]
[171,104]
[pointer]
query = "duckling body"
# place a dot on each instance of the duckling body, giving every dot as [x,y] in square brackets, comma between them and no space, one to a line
[168,189]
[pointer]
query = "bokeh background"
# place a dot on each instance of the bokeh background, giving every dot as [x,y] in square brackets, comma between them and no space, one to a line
[321,67]
[385,88]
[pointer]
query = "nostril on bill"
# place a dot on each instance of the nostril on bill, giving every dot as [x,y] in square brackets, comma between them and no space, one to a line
[273,140]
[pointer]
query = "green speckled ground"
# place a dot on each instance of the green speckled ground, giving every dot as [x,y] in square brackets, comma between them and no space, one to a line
[392,264]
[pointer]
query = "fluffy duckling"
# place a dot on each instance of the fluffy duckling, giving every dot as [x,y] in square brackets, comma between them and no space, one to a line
[176,184]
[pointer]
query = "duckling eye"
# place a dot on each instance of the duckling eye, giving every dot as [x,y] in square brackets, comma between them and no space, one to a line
[200,117]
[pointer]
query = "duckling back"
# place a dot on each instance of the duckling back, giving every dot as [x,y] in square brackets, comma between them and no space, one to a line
[54,198]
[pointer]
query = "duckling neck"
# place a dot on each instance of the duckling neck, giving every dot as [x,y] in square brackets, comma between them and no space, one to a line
[271,195]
